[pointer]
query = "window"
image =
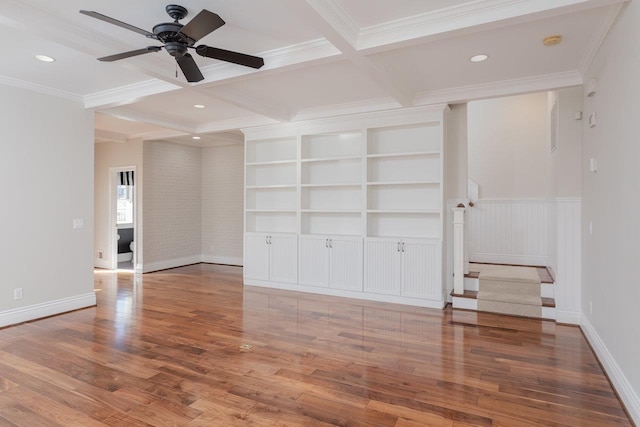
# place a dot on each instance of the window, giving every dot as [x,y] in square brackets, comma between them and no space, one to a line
[125,204]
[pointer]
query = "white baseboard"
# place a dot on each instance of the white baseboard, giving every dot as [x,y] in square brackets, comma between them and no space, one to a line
[626,392]
[127,256]
[418,302]
[213,259]
[102,263]
[171,263]
[569,317]
[45,309]
[508,259]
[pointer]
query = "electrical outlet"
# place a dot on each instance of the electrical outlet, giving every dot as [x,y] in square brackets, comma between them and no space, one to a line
[100,255]
[590,307]
[590,227]
[17,293]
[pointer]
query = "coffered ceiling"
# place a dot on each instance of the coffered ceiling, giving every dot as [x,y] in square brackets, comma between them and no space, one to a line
[322,57]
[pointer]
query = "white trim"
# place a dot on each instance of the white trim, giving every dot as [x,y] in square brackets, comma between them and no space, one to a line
[500,88]
[46,309]
[570,317]
[509,259]
[34,87]
[113,207]
[368,296]
[465,303]
[599,36]
[620,382]
[212,259]
[170,263]
[101,263]
[127,94]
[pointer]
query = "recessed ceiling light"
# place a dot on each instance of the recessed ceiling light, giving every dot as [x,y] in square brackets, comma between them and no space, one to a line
[479,58]
[195,137]
[199,106]
[44,58]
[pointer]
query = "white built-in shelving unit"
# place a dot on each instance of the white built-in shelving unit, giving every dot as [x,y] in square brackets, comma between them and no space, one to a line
[348,206]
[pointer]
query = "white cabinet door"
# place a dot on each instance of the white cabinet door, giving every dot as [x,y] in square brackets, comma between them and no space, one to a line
[314,261]
[284,259]
[382,266]
[346,263]
[256,257]
[421,265]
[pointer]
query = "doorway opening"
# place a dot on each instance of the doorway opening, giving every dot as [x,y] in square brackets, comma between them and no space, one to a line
[124,219]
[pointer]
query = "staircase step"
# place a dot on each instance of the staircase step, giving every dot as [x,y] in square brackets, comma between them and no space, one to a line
[546,302]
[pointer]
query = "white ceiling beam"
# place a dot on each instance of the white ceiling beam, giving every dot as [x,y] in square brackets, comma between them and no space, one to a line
[248,102]
[326,17]
[107,135]
[122,113]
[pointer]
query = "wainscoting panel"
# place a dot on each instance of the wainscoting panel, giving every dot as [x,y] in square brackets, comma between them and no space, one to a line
[508,231]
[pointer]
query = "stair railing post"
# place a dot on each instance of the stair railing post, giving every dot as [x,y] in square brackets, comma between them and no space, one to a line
[458,249]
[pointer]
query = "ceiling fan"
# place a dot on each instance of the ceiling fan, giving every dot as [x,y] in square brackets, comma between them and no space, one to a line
[178,39]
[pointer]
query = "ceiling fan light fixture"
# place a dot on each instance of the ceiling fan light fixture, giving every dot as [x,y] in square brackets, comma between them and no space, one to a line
[479,58]
[44,58]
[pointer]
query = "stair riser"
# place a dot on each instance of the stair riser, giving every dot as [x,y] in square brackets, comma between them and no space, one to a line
[546,289]
[472,304]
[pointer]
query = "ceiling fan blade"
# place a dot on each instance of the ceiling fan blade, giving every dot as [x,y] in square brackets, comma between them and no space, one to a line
[190,68]
[129,54]
[230,56]
[202,24]
[110,20]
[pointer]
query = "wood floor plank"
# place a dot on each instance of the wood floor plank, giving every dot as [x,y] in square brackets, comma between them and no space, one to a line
[165,349]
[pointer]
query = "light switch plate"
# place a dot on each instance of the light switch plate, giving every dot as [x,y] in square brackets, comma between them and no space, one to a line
[78,223]
[593,165]
[592,120]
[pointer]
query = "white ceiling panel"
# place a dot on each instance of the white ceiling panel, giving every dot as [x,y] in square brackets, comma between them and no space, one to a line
[513,54]
[366,13]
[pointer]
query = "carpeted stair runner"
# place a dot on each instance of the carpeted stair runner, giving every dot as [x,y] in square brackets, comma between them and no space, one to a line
[508,290]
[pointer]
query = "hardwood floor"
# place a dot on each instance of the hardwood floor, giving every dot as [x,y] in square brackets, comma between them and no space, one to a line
[166,349]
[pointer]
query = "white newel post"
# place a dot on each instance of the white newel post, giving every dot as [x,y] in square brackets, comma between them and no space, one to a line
[458,249]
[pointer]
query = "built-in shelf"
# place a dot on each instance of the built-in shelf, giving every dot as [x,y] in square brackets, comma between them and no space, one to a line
[271,210]
[407,154]
[404,183]
[274,162]
[331,211]
[257,187]
[407,211]
[347,184]
[331,159]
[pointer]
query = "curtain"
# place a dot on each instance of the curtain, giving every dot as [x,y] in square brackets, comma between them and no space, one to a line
[126,178]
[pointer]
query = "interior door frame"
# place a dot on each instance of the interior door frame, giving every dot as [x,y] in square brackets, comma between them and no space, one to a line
[113,214]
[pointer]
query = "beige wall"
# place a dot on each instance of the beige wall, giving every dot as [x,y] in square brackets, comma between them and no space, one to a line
[508,146]
[110,155]
[46,167]
[222,204]
[611,201]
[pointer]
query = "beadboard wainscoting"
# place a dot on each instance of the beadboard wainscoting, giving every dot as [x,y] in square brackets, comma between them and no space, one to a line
[508,231]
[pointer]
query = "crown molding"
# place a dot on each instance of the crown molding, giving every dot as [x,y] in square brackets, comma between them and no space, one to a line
[500,88]
[599,36]
[334,15]
[101,135]
[236,123]
[128,94]
[150,119]
[357,107]
[34,87]
[478,15]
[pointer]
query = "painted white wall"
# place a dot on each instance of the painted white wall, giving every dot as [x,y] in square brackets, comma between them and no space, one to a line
[222,203]
[171,204]
[109,155]
[455,179]
[46,165]
[508,146]
[611,201]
